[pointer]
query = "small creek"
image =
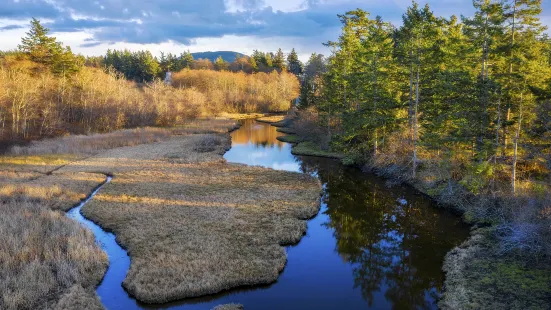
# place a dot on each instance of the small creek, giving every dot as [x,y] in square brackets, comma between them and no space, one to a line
[110,290]
[370,247]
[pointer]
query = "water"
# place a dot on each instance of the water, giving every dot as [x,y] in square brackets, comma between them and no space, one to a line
[110,290]
[370,247]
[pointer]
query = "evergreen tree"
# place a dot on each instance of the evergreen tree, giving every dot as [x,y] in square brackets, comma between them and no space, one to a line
[38,45]
[294,64]
[186,60]
[268,60]
[279,61]
[312,81]
[67,63]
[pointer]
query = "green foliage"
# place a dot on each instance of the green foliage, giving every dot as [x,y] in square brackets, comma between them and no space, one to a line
[293,63]
[279,61]
[312,149]
[43,49]
[220,64]
[475,89]
[478,177]
[312,81]
[139,66]
[522,287]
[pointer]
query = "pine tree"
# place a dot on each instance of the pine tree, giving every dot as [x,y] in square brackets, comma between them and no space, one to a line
[279,61]
[38,45]
[67,63]
[186,60]
[312,81]
[525,69]
[418,33]
[294,64]
[268,60]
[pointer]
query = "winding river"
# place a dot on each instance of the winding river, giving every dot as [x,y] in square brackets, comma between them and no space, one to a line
[370,247]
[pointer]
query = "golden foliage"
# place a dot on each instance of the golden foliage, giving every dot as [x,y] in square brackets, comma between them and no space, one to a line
[241,92]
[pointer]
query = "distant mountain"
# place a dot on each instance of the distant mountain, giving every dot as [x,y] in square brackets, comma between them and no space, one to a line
[226,55]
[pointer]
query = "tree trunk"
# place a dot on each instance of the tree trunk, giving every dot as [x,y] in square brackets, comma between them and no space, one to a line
[375,98]
[410,109]
[515,156]
[415,117]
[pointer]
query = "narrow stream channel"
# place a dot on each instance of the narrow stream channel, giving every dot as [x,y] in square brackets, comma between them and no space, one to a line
[110,290]
[370,247]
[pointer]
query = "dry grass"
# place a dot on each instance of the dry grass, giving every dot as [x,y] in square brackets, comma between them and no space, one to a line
[193,224]
[24,167]
[202,126]
[43,254]
[271,119]
[210,143]
[242,116]
[79,298]
[90,144]
[229,307]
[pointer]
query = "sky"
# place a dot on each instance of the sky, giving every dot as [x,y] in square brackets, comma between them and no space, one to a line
[91,27]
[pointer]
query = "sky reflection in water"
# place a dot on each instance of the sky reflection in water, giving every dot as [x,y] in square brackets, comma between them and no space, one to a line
[370,247]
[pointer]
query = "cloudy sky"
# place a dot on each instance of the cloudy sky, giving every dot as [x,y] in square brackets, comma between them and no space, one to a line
[91,27]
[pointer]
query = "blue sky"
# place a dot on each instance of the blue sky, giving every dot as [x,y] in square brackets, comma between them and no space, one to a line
[92,26]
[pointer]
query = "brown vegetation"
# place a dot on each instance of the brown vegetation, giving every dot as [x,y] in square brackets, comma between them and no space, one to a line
[90,144]
[36,103]
[229,307]
[271,119]
[46,257]
[240,92]
[47,260]
[193,224]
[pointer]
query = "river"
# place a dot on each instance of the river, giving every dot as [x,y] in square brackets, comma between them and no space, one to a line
[370,247]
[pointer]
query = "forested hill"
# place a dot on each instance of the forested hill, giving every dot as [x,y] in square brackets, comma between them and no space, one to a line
[226,55]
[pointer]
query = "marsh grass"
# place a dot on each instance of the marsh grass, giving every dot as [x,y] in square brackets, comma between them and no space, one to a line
[311,149]
[242,116]
[476,275]
[208,143]
[289,139]
[271,119]
[90,144]
[43,254]
[205,126]
[193,224]
[229,307]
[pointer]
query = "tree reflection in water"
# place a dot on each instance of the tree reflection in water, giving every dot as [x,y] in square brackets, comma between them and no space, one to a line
[393,237]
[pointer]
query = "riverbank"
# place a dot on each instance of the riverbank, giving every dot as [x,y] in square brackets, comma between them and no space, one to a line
[478,273]
[192,224]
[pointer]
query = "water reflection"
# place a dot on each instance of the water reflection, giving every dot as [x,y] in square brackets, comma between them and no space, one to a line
[393,238]
[390,242]
[369,247]
[256,144]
